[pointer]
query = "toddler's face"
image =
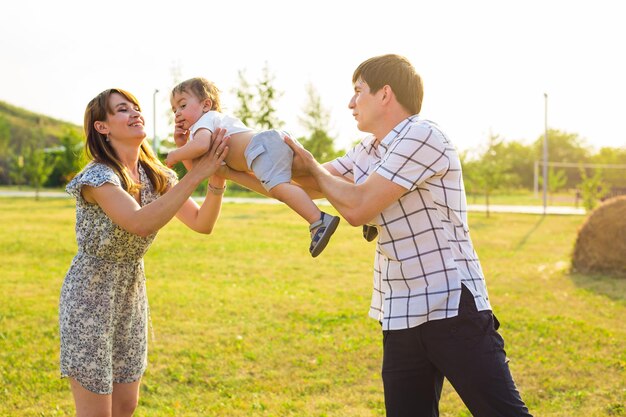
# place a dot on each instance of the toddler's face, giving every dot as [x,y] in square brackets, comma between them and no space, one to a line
[187,109]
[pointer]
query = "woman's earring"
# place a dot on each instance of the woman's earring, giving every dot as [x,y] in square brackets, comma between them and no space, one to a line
[107,139]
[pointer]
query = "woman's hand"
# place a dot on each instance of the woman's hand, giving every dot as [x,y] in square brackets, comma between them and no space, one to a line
[223,171]
[208,164]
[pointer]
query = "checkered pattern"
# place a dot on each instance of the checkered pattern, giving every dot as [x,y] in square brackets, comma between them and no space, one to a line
[424,251]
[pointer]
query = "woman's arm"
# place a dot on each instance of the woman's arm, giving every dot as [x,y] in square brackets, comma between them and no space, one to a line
[124,210]
[202,219]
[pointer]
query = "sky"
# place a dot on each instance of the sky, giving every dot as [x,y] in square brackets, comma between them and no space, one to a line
[486,65]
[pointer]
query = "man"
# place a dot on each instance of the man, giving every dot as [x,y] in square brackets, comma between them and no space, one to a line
[429,291]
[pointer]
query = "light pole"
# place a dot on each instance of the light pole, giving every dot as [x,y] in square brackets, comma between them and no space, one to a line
[545,156]
[155,144]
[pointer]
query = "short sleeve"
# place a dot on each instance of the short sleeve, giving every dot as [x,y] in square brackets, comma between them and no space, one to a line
[414,158]
[207,121]
[93,175]
[345,164]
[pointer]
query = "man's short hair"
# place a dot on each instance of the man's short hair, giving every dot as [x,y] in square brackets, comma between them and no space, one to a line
[397,72]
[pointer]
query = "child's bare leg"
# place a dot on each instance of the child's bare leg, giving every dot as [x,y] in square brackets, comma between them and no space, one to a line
[298,200]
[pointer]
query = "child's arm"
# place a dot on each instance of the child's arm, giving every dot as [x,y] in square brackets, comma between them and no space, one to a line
[181,137]
[193,149]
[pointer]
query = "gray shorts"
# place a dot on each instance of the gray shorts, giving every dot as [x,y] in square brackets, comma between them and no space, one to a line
[270,158]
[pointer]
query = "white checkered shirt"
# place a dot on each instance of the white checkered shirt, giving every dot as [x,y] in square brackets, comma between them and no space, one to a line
[424,251]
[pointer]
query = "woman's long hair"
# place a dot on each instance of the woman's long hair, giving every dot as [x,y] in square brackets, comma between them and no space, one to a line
[100,150]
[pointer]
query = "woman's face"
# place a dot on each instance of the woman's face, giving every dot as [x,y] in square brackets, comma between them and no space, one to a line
[126,122]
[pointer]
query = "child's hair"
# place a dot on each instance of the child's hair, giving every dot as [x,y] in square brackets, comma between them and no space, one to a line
[397,72]
[202,89]
[100,150]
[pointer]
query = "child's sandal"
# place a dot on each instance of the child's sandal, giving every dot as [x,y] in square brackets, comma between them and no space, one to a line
[321,231]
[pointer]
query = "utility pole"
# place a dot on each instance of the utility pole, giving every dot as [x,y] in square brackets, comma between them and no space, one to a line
[545,157]
[155,144]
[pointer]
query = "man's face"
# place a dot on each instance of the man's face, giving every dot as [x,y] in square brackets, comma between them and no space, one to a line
[365,106]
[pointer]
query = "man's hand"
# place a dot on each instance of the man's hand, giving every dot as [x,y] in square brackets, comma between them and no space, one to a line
[303,162]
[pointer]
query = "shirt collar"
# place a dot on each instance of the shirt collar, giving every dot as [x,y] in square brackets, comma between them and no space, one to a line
[384,144]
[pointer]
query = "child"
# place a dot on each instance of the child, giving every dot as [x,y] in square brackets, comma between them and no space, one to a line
[196,104]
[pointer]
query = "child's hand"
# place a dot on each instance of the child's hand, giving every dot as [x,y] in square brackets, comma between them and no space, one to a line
[170,161]
[181,136]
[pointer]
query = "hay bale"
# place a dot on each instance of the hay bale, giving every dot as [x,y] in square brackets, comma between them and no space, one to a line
[601,242]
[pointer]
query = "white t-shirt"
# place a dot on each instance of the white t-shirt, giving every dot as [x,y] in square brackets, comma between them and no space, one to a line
[213,119]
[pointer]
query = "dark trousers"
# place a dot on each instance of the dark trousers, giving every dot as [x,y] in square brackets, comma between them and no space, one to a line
[467,350]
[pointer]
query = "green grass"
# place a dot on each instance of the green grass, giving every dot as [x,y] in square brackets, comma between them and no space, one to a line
[247,324]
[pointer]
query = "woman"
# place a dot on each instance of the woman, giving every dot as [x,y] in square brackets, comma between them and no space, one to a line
[123,197]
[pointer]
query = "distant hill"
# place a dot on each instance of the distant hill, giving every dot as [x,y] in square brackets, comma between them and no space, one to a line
[22,123]
[20,129]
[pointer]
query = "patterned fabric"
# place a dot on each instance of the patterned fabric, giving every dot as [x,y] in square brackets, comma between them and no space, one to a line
[424,252]
[103,307]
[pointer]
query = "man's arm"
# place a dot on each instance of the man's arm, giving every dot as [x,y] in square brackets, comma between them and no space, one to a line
[310,185]
[357,203]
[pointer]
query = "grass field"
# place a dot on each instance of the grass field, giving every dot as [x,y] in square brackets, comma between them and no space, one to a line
[247,324]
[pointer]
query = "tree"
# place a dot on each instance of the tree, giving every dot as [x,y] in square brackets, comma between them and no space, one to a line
[259,113]
[245,98]
[37,164]
[266,112]
[490,172]
[556,180]
[167,142]
[564,147]
[316,120]
[520,160]
[592,188]
[69,158]
[612,156]
[16,169]
[5,141]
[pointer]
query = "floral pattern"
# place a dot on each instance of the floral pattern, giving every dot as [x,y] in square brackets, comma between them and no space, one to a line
[103,309]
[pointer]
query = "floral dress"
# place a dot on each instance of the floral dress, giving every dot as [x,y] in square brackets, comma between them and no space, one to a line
[103,308]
